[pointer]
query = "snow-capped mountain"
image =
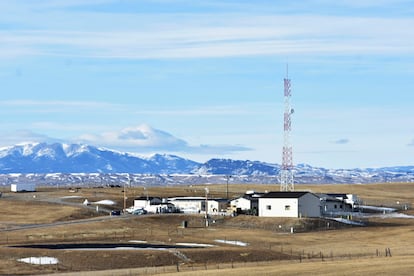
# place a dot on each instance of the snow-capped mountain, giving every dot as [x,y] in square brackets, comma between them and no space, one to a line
[79,158]
[77,164]
[238,167]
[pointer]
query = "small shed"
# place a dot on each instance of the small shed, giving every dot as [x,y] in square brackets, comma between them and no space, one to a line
[289,204]
[217,205]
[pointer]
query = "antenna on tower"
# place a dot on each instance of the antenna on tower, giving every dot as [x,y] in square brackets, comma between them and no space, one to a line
[286,172]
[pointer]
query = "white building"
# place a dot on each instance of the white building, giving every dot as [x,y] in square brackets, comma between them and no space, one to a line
[338,204]
[191,205]
[196,205]
[350,199]
[23,187]
[145,202]
[249,202]
[161,208]
[332,206]
[243,203]
[217,205]
[289,204]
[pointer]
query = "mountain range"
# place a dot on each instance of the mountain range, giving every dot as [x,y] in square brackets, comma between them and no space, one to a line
[59,163]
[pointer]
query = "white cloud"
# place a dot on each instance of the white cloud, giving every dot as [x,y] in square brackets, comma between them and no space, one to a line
[140,139]
[25,136]
[144,138]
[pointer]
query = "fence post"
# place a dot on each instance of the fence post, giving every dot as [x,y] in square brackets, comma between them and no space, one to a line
[387,252]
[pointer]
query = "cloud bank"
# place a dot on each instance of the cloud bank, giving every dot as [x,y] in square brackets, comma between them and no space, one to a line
[144,138]
[112,34]
[139,139]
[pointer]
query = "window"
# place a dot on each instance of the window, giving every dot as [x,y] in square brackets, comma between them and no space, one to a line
[287,207]
[335,206]
[268,207]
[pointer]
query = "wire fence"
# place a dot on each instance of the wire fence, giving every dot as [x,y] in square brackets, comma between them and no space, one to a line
[194,267]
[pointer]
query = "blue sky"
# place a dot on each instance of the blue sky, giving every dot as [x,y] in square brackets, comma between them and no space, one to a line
[204,79]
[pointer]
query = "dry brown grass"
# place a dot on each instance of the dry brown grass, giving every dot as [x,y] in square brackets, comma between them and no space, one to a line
[346,251]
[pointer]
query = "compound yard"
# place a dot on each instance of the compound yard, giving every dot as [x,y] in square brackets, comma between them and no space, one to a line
[32,223]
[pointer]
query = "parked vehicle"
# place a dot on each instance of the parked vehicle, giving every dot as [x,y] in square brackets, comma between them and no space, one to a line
[139,212]
[130,210]
[115,213]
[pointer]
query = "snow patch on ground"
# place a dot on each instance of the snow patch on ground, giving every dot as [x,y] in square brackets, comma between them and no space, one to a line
[347,221]
[137,241]
[195,244]
[377,209]
[39,260]
[394,215]
[238,243]
[69,197]
[105,202]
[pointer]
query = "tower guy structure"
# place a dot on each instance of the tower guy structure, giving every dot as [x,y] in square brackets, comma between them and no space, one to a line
[286,172]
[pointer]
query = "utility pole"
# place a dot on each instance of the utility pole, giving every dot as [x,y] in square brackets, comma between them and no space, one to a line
[206,206]
[227,186]
[125,198]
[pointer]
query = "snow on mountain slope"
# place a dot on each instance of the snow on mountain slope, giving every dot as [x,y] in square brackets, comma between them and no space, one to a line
[77,162]
[72,158]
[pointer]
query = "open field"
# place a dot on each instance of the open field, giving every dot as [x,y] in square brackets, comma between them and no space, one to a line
[57,216]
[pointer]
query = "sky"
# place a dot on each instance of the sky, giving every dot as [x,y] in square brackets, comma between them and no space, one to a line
[204,79]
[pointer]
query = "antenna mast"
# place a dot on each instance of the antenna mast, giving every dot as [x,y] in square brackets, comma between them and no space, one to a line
[286,172]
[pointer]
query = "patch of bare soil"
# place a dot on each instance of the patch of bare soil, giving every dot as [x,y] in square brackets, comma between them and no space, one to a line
[227,255]
[284,225]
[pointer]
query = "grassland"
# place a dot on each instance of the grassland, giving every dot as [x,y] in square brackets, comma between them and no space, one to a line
[54,216]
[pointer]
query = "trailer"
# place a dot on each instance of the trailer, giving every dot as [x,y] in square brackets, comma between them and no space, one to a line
[23,187]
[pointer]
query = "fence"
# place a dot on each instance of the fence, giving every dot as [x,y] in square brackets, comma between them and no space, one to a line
[299,257]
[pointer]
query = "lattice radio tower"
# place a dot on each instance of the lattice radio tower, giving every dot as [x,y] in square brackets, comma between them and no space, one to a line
[286,173]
